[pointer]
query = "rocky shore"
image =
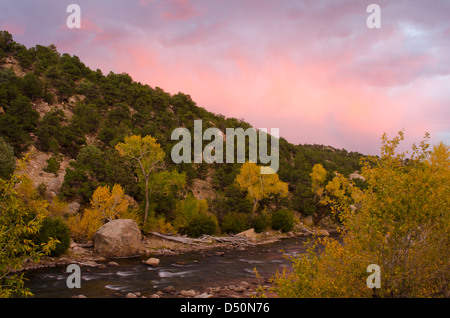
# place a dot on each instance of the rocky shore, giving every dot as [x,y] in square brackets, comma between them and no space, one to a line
[84,255]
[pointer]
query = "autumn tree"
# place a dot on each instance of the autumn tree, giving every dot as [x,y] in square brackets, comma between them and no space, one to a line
[148,155]
[109,204]
[324,192]
[149,158]
[17,224]
[318,178]
[402,224]
[105,205]
[260,186]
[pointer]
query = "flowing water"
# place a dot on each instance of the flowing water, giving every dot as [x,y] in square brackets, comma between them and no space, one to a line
[194,270]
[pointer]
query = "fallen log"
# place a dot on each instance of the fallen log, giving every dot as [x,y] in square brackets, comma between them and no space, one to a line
[205,239]
[238,240]
[179,239]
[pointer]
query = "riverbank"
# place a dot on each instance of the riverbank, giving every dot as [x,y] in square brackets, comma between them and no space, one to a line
[190,253]
[153,246]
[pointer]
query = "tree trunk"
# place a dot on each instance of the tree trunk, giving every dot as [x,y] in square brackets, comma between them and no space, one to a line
[146,200]
[255,203]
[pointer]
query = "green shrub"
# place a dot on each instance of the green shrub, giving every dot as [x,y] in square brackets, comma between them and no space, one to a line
[202,223]
[234,222]
[52,166]
[58,229]
[283,220]
[7,160]
[261,222]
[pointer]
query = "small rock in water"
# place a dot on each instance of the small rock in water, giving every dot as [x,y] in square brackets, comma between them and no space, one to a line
[188,293]
[244,284]
[203,295]
[131,295]
[239,289]
[168,289]
[152,261]
[112,263]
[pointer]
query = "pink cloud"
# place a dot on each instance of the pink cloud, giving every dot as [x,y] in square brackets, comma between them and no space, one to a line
[13,28]
[312,68]
[179,10]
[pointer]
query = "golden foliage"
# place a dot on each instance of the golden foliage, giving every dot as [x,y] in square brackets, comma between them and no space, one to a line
[260,186]
[106,205]
[148,155]
[403,226]
[57,207]
[21,215]
[109,204]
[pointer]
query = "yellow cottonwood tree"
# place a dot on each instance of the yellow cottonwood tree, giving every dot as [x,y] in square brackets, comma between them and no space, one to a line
[260,186]
[402,225]
[148,155]
[109,204]
[106,205]
[318,178]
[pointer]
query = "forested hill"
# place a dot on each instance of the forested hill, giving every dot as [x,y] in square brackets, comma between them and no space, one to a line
[73,117]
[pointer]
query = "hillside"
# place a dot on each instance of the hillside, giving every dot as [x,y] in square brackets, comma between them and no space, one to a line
[71,117]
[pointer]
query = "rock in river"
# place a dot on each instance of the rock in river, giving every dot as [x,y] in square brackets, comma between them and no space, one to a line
[118,238]
[152,261]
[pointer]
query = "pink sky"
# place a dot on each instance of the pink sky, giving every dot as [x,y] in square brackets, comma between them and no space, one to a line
[310,68]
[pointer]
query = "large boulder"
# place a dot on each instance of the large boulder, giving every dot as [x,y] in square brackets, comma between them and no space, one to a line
[250,234]
[118,238]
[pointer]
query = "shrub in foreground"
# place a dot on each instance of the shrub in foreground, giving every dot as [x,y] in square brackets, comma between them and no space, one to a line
[402,225]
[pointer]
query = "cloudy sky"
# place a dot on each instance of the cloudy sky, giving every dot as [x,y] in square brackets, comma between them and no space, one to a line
[311,68]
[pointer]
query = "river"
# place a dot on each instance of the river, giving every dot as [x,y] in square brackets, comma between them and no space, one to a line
[193,270]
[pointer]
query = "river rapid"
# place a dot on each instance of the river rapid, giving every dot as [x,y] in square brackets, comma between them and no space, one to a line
[197,270]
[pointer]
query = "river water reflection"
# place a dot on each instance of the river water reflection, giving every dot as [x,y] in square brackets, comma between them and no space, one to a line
[195,270]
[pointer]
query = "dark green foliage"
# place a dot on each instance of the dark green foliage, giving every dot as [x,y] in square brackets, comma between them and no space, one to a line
[303,200]
[7,43]
[53,165]
[32,86]
[235,222]
[261,222]
[20,108]
[12,132]
[49,131]
[58,229]
[86,117]
[202,224]
[233,200]
[78,181]
[94,167]
[7,160]
[56,134]
[283,220]
[72,139]
[225,175]
[45,57]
